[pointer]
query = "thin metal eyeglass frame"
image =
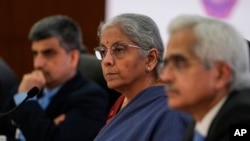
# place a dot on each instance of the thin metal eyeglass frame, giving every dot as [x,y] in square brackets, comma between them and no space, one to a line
[98,54]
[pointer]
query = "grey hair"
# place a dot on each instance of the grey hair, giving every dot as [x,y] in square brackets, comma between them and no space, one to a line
[218,41]
[140,29]
[62,27]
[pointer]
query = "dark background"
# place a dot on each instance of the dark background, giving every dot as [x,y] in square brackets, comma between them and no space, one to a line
[17,17]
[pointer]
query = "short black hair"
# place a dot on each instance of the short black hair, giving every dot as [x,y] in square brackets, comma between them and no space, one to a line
[62,27]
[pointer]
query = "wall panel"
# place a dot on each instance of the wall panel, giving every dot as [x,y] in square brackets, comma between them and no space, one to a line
[16,18]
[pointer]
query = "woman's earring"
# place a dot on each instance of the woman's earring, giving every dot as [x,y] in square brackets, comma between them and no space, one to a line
[148,69]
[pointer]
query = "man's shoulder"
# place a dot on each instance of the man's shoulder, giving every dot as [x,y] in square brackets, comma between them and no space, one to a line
[81,84]
[236,105]
[234,111]
[239,99]
[87,88]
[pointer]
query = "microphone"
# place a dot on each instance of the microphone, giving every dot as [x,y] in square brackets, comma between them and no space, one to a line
[31,93]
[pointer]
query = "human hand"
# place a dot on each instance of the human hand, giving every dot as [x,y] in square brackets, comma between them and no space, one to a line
[35,78]
[59,119]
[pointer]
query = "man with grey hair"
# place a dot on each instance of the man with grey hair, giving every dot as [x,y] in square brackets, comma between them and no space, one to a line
[206,72]
[70,107]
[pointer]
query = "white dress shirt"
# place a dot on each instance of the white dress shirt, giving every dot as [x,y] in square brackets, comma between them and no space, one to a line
[203,126]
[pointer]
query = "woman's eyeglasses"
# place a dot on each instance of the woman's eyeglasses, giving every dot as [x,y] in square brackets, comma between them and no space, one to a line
[117,50]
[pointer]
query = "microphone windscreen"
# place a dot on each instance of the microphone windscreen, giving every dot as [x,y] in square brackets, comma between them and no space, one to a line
[32,92]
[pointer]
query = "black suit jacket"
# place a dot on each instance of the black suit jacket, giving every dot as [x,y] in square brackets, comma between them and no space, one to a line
[236,110]
[8,81]
[83,102]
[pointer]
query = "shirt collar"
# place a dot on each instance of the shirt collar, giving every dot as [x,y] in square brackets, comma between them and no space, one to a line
[51,92]
[203,126]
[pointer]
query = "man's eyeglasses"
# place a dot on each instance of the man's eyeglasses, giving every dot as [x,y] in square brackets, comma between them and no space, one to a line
[117,50]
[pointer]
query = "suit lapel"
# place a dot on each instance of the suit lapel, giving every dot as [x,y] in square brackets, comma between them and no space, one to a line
[189,132]
[57,103]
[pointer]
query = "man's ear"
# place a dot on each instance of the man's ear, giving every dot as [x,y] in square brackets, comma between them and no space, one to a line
[75,55]
[224,74]
[152,59]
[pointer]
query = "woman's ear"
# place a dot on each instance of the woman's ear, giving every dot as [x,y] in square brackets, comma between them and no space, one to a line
[152,59]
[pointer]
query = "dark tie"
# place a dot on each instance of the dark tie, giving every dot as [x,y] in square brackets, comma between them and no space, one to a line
[198,137]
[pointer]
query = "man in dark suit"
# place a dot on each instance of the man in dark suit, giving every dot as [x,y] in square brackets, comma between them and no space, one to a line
[206,71]
[8,80]
[70,107]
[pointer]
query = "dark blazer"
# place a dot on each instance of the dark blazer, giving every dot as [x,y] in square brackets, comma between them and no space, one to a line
[234,111]
[83,102]
[8,81]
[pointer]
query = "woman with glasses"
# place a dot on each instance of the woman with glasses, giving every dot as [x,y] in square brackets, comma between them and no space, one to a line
[131,50]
